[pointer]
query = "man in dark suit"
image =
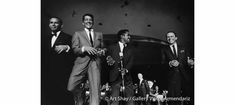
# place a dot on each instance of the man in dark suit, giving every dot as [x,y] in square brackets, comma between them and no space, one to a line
[176,60]
[86,44]
[59,61]
[143,89]
[116,53]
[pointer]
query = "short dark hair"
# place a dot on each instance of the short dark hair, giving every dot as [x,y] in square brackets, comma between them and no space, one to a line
[87,14]
[121,32]
[171,32]
[60,20]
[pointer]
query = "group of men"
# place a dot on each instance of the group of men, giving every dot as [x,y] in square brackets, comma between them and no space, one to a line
[82,54]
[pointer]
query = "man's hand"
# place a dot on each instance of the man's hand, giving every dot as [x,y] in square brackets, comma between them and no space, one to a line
[90,50]
[110,60]
[174,63]
[190,62]
[101,52]
[123,71]
[61,48]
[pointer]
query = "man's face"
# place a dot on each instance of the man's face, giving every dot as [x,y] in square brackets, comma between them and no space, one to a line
[140,76]
[126,37]
[156,87]
[87,22]
[171,38]
[55,25]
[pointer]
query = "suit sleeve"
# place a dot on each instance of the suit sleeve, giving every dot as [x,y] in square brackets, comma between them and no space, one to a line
[68,42]
[130,61]
[101,41]
[76,46]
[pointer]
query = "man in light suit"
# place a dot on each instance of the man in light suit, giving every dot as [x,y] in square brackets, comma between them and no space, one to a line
[86,45]
[117,52]
[175,60]
[59,60]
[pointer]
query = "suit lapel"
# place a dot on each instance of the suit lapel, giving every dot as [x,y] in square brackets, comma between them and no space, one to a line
[117,50]
[86,36]
[57,39]
[170,52]
[179,51]
[94,38]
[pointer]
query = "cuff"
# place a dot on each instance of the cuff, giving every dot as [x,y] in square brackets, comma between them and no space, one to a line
[170,64]
[68,48]
[82,49]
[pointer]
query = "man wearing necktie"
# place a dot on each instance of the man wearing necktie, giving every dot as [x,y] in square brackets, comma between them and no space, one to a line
[85,45]
[121,50]
[59,60]
[175,61]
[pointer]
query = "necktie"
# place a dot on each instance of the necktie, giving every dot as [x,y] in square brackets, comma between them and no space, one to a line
[90,38]
[174,51]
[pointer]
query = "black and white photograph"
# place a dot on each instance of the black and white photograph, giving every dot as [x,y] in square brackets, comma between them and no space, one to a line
[117,52]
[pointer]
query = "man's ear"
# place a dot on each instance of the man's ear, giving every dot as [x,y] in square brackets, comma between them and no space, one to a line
[176,38]
[62,26]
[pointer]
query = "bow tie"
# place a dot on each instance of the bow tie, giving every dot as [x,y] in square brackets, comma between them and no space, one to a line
[54,34]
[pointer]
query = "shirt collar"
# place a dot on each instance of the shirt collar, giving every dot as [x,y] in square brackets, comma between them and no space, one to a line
[57,33]
[87,30]
[120,43]
[175,44]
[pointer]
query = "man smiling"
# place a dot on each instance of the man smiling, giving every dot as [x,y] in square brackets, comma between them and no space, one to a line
[85,44]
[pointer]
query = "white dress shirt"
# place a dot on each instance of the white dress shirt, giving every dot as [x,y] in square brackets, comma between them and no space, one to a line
[122,45]
[175,45]
[92,34]
[53,39]
[140,81]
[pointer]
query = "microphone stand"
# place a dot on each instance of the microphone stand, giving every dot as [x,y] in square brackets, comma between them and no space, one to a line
[122,70]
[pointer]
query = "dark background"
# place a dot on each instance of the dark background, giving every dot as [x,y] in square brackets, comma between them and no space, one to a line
[147,20]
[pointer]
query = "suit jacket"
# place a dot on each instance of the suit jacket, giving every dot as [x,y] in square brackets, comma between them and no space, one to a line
[167,56]
[80,39]
[83,59]
[114,73]
[143,88]
[64,58]
[59,65]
